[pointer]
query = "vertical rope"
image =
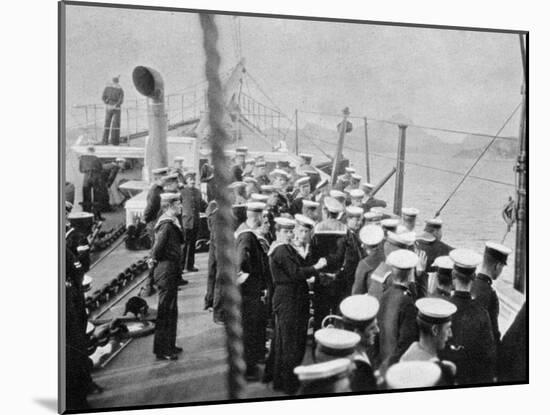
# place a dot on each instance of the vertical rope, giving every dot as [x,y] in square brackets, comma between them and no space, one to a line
[224,238]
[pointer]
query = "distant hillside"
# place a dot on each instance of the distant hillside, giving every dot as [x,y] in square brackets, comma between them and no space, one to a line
[472,146]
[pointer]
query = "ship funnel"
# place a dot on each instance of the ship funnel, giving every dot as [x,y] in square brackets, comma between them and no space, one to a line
[149,83]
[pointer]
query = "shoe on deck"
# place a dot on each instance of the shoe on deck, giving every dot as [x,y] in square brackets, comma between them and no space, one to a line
[172,356]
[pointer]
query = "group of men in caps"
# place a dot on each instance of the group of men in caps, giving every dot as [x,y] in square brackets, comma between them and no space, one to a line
[307,255]
[172,218]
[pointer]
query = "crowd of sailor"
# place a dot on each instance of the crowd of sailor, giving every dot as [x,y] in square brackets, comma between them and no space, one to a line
[381,305]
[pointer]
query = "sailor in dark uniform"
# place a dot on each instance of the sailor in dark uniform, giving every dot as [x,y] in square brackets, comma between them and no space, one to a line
[353,252]
[359,315]
[472,347]
[304,191]
[371,201]
[344,180]
[166,261]
[291,265]
[430,242]
[280,180]
[94,189]
[260,174]
[372,237]
[112,97]
[329,240]
[397,314]
[324,378]
[512,355]
[495,259]
[252,265]
[440,282]
[76,342]
[192,205]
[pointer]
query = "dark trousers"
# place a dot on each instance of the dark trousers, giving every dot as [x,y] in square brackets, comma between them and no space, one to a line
[167,319]
[95,196]
[188,248]
[289,344]
[326,300]
[112,126]
[253,323]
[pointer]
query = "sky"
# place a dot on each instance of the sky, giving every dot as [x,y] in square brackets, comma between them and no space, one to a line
[463,80]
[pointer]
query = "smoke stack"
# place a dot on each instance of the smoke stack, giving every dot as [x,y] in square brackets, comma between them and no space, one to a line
[149,83]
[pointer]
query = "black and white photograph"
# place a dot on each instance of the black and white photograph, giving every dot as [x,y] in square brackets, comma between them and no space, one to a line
[266,207]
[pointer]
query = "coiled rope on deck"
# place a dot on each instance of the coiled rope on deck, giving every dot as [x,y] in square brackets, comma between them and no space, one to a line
[224,238]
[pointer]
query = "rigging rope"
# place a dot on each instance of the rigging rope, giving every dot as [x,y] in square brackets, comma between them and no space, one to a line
[224,238]
[476,161]
[446,130]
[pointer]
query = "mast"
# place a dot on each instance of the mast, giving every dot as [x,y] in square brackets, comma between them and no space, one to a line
[400,168]
[521,171]
[338,156]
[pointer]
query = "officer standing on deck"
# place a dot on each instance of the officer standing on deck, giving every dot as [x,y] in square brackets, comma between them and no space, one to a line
[359,314]
[291,265]
[397,315]
[113,96]
[430,242]
[372,237]
[472,348]
[166,262]
[192,205]
[495,259]
[252,265]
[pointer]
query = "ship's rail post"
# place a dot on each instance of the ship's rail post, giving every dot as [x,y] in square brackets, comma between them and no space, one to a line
[367,161]
[400,170]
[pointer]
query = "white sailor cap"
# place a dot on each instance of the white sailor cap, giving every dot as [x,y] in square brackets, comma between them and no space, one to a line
[465,260]
[169,197]
[285,223]
[402,240]
[324,370]
[236,185]
[302,181]
[267,188]
[179,158]
[310,204]
[372,216]
[120,160]
[443,262]
[359,309]
[402,259]
[257,197]
[160,171]
[354,211]
[89,328]
[356,177]
[304,221]
[333,205]
[336,342]
[322,183]
[241,150]
[337,194]
[434,310]
[356,194]
[350,170]
[170,178]
[367,185]
[280,173]
[413,374]
[434,223]
[389,223]
[250,179]
[371,235]
[497,251]
[401,229]
[87,280]
[255,206]
[410,212]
